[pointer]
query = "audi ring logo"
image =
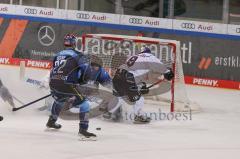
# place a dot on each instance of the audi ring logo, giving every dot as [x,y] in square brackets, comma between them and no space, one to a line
[83,16]
[30,11]
[188,25]
[237,30]
[135,21]
[46,35]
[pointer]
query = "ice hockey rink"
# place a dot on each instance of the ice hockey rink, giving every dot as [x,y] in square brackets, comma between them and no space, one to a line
[212,133]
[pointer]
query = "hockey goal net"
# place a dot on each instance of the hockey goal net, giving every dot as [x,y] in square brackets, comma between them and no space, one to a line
[113,50]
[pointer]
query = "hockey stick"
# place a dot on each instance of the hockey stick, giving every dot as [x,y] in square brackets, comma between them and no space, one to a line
[159,81]
[15,109]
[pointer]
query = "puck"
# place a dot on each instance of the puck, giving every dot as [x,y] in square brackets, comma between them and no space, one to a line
[1,118]
[98,128]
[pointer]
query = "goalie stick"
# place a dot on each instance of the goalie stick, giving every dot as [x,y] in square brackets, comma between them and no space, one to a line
[154,84]
[16,109]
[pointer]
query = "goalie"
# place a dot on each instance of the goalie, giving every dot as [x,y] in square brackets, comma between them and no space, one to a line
[128,83]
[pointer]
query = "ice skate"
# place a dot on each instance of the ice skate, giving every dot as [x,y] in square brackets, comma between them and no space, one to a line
[52,123]
[140,119]
[1,118]
[86,136]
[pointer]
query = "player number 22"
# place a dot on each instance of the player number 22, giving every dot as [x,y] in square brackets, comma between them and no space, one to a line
[59,65]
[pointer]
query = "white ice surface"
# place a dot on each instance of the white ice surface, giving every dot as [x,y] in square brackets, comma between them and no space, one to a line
[212,134]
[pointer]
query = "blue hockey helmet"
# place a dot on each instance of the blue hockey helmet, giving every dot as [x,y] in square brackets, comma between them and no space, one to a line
[69,40]
[145,49]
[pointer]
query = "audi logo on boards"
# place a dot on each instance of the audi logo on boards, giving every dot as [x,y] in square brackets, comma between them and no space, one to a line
[237,30]
[135,21]
[188,25]
[82,16]
[30,11]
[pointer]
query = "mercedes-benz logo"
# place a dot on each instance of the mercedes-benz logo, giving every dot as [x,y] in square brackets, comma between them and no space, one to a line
[46,35]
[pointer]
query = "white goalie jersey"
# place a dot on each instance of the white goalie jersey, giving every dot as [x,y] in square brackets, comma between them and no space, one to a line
[142,64]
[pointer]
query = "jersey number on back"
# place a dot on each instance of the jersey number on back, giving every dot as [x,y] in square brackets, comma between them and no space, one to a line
[59,65]
[132,60]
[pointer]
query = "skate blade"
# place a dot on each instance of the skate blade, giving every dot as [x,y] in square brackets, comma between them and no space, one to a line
[139,122]
[83,138]
[49,129]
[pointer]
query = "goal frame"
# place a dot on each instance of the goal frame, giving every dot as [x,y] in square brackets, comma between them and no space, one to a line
[136,39]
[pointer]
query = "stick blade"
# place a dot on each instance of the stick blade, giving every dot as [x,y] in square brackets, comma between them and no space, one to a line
[14,109]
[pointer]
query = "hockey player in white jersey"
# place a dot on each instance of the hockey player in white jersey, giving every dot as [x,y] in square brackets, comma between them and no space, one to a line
[128,82]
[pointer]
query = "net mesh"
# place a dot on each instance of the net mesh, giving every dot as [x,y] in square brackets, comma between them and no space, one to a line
[113,50]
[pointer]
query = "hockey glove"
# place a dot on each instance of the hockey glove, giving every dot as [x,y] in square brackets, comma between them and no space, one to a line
[144,89]
[169,74]
[133,94]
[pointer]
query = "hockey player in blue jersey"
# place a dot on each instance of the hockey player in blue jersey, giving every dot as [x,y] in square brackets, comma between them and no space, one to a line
[71,69]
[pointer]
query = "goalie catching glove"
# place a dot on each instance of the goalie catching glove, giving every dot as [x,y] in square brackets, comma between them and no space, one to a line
[169,75]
